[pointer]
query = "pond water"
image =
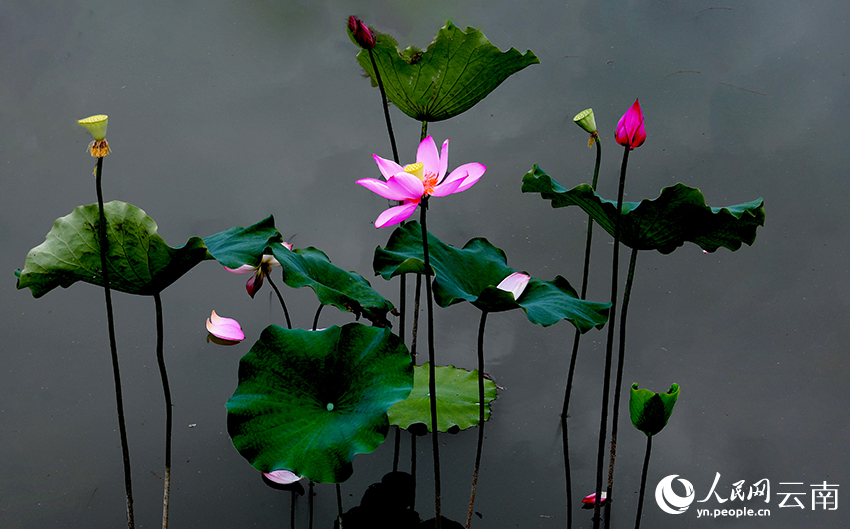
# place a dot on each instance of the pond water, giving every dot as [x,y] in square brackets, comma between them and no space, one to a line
[224,112]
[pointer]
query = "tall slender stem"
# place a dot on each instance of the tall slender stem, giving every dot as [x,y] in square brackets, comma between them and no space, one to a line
[282,303]
[339,499]
[116,373]
[166,391]
[619,382]
[310,505]
[478,451]
[415,331]
[584,281]
[576,339]
[643,480]
[386,106]
[609,349]
[432,383]
[566,449]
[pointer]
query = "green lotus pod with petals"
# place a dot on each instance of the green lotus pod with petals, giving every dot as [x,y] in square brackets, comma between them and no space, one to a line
[650,411]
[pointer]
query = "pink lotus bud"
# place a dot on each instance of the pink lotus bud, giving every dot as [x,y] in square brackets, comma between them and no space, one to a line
[630,132]
[360,34]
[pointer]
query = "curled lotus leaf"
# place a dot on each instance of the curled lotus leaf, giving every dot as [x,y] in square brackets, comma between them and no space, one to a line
[303,267]
[139,260]
[472,274]
[677,216]
[459,69]
[650,411]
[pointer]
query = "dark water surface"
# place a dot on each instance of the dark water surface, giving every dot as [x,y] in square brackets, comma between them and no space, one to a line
[222,113]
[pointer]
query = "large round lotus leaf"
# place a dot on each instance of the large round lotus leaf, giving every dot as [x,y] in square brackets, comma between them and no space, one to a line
[472,273]
[457,71]
[308,401]
[457,399]
[140,261]
[677,216]
[304,267]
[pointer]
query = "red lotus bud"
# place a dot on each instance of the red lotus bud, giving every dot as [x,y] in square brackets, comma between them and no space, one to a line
[360,34]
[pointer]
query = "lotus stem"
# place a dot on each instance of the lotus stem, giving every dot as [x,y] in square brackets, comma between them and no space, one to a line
[619,382]
[584,281]
[310,505]
[432,382]
[166,391]
[282,303]
[415,331]
[386,106]
[566,440]
[396,448]
[480,415]
[316,318]
[643,480]
[609,349]
[292,499]
[116,373]
[576,340]
[339,498]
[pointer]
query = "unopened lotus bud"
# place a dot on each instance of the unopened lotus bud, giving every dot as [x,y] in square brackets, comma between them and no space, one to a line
[360,34]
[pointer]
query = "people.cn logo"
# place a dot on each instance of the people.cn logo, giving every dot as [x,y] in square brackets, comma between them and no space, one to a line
[669,501]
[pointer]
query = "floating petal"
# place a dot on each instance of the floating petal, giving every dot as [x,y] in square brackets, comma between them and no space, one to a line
[284,477]
[225,328]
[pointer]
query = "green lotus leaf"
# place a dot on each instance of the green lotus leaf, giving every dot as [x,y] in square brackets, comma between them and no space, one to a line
[677,216]
[457,399]
[459,69]
[140,261]
[238,246]
[348,291]
[650,411]
[472,274]
[309,401]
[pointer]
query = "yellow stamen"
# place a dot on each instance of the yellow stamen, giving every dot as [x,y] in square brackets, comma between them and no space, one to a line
[416,169]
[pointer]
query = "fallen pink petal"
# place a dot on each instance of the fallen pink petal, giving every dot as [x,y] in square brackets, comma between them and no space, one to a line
[284,477]
[426,177]
[515,284]
[592,498]
[225,328]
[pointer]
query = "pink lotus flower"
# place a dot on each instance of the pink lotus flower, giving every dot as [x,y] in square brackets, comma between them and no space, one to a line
[260,271]
[630,132]
[360,33]
[426,177]
[592,498]
[515,284]
[225,328]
